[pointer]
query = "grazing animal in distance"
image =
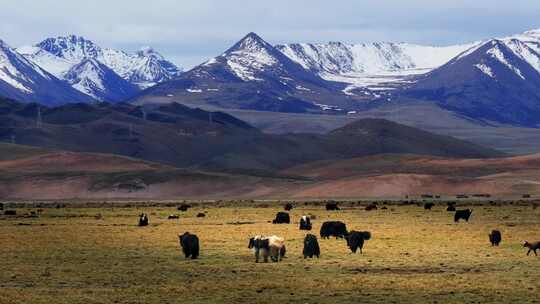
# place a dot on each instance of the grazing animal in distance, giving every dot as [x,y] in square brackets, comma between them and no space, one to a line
[173,217]
[462,214]
[532,247]
[259,245]
[451,208]
[184,207]
[428,206]
[190,245]
[355,240]
[333,228]
[332,206]
[311,247]
[305,223]
[143,220]
[269,246]
[288,207]
[201,214]
[495,237]
[277,248]
[10,212]
[282,218]
[371,207]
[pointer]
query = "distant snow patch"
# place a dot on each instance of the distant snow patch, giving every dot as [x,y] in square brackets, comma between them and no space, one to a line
[485,69]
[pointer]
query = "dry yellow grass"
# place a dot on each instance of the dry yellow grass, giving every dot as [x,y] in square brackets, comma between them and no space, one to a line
[415,256]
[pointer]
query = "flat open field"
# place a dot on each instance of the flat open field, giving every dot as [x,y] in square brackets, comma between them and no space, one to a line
[99,255]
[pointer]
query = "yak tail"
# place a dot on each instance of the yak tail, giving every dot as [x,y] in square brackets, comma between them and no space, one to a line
[366,235]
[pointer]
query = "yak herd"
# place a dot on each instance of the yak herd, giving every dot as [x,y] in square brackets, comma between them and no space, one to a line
[273,246]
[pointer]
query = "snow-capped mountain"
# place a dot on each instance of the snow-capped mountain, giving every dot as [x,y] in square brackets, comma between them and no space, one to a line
[375,66]
[252,74]
[24,80]
[144,68]
[97,80]
[498,80]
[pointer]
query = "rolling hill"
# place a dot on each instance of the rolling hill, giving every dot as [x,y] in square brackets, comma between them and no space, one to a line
[176,135]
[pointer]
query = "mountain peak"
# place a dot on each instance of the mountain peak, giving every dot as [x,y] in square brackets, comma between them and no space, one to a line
[250,42]
[149,52]
[70,47]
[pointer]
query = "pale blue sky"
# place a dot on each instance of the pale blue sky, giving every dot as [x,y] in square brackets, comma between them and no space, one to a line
[189,32]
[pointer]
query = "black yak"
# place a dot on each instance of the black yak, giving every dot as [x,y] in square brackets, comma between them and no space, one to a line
[201,214]
[190,245]
[311,247]
[143,220]
[173,217]
[10,212]
[305,223]
[332,206]
[371,207]
[184,207]
[282,218]
[495,237]
[288,207]
[260,245]
[462,214]
[428,206]
[355,240]
[532,247]
[334,228]
[451,208]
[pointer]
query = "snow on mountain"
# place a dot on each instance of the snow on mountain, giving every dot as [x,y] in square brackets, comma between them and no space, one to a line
[249,56]
[24,80]
[495,81]
[376,66]
[95,79]
[252,74]
[144,69]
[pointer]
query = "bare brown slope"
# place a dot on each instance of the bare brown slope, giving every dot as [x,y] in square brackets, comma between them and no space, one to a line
[44,174]
[392,175]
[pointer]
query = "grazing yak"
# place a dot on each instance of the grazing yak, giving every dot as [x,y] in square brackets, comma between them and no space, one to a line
[462,214]
[143,220]
[173,217]
[495,237]
[272,246]
[305,223]
[10,212]
[311,247]
[371,207]
[332,206]
[259,245]
[190,245]
[428,206]
[532,247]
[184,207]
[288,207]
[355,239]
[282,218]
[201,214]
[333,228]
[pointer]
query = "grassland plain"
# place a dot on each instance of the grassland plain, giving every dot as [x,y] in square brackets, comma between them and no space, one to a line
[99,255]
